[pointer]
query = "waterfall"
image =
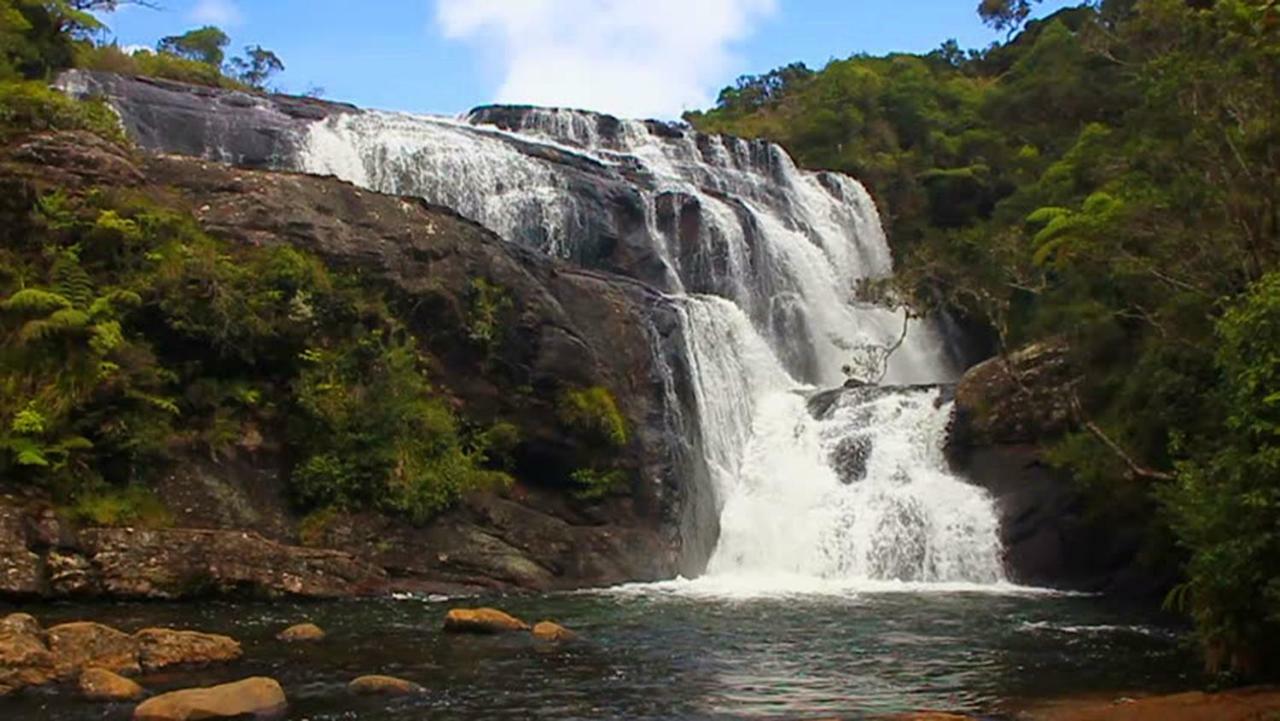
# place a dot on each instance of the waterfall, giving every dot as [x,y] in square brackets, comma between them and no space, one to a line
[762,262]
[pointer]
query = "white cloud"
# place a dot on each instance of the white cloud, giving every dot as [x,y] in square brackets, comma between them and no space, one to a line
[637,58]
[217,12]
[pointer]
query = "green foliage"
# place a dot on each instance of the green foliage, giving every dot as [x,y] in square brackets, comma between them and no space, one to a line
[1226,503]
[33,107]
[256,67]
[128,333]
[131,506]
[203,45]
[111,59]
[375,434]
[484,318]
[594,484]
[593,413]
[314,527]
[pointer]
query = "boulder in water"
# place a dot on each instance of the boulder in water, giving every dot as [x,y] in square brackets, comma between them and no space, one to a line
[482,620]
[254,697]
[383,686]
[551,631]
[302,632]
[80,644]
[99,684]
[162,647]
[25,659]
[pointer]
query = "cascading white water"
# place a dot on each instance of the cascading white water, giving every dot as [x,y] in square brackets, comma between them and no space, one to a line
[762,261]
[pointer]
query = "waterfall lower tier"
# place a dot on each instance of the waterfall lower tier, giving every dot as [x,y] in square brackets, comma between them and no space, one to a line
[846,487]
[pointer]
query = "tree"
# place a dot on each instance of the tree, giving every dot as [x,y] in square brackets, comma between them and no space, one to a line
[204,45]
[256,67]
[1005,14]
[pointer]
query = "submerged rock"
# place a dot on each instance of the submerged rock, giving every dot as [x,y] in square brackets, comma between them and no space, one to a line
[551,631]
[482,620]
[162,647]
[301,632]
[383,686]
[99,684]
[256,697]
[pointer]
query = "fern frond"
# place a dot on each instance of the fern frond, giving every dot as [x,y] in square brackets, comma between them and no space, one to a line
[34,301]
[62,322]
[71,281]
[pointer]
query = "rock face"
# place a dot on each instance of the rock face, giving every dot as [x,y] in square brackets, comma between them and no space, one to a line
[176,563]
[253,697]
[482,621]
[97,684]
[20,570]
[163,115]
[172,563]
[1007,410]
[568,328]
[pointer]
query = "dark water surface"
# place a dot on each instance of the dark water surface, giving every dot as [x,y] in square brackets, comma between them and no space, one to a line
[657,654]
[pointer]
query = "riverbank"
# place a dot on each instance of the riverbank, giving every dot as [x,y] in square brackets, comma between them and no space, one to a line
[1257,703]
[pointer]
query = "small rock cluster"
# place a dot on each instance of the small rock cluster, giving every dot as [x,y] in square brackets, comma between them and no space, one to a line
[493,621]
[33,656]
[100,658]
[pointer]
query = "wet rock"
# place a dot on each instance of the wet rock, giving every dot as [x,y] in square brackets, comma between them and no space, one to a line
[301,632]
[257,697]
[383,686]
[1022,398]
[162,647]
[82,644]
[550,631]
[1007,412]
[849,458]
[25,659]
[20,623]
[99,684]
[482,621]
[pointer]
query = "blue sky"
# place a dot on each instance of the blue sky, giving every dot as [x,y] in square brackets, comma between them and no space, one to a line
[649,58]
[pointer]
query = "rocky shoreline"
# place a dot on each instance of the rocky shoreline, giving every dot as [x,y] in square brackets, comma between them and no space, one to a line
[100,663]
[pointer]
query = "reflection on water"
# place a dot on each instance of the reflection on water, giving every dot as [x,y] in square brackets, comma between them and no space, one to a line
[670,652]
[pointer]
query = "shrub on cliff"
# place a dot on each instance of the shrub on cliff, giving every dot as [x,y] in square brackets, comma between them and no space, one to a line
[127,334]
[34,107]
[593,413]
[111,59]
